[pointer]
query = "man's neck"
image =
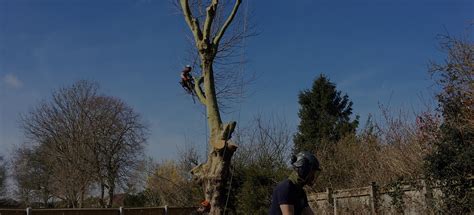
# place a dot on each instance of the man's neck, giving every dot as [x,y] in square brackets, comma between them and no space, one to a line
[296,180]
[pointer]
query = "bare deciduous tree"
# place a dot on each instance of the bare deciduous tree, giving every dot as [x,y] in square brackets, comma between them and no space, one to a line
[59,130]
[169,183]
[266,141]
[33,176]
[85,138]
[260,164]
[118,141]
[3,176]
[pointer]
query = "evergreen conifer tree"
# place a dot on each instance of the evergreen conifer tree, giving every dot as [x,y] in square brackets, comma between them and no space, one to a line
[325,116]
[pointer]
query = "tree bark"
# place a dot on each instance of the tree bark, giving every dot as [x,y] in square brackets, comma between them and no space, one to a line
[213,115]
[217,179]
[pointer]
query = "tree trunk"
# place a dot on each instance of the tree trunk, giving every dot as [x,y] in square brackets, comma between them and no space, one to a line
[215,184]
[102,194]
[81,198]
[214,174]
[212,107]
[73,199]
[111,196]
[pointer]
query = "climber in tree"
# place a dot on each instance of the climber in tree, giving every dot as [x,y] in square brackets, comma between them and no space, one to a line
[187,80]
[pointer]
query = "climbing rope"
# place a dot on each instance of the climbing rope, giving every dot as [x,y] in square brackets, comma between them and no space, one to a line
[241,94]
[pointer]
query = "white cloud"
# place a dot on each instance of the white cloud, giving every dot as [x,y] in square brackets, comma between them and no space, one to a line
[12,81]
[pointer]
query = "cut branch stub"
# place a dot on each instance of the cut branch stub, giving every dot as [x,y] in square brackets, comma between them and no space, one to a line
[228,130]
[225,136]
[211,169]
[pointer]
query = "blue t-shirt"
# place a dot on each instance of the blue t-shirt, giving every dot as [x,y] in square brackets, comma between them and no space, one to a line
[287,193]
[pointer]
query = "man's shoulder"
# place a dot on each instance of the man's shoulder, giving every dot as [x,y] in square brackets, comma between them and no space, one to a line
[285,184]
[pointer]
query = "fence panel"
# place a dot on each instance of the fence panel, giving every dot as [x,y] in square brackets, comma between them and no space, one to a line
[82,211]
[103,211]
[144,211]
[12,212]
[409,198]
[352,205]
[352,201]
[181,211]
[321,203]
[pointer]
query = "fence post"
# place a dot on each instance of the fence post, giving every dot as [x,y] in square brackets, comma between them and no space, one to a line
[121,210]
[428,195]
[373,197]
[28,211]
[329,195]
[330,200]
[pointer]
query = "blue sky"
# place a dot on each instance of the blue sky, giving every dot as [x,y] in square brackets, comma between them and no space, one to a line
[376,51]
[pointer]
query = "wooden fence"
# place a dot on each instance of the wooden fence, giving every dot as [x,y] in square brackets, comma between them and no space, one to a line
[415,197]
[410,198]
[100,211]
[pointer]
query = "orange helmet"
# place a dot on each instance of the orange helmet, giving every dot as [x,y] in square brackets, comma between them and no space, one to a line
[206,204]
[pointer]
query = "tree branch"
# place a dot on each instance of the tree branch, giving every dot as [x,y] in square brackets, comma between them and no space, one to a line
[192,22]
[198,89]
[210,15]
[219,35]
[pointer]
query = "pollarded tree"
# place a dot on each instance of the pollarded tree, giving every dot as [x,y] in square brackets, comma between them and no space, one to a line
[325,116]
[208,31]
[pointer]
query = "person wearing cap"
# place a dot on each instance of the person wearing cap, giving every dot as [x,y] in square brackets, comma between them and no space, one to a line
[186,79]
[289,197]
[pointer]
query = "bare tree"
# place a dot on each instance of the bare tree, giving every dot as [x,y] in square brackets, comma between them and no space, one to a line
[3,176]
[188,157]
[59,129]
[169,183]
[208,28]
[32,175]
[259,165]
[266,141]
[85,138]
[119,137]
